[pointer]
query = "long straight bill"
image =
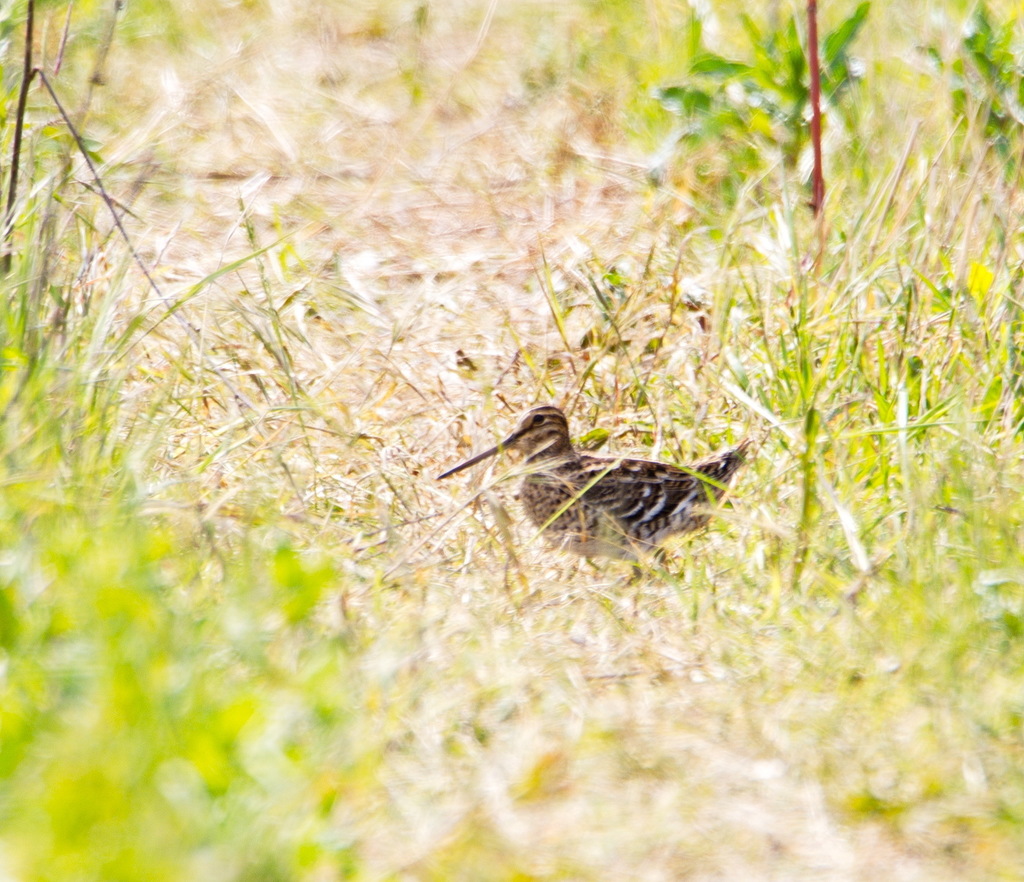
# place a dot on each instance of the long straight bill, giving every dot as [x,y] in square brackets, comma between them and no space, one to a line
[470,462]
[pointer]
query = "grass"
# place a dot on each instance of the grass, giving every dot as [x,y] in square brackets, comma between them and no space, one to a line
[243,632]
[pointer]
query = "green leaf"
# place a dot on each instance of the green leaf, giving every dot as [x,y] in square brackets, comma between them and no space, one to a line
[8,618]
[718,67]
[684,100]
[837,42]
[594,439]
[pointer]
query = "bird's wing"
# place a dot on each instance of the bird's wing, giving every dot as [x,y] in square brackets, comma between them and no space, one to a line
[644,490]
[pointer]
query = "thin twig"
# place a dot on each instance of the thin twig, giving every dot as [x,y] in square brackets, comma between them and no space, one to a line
[97,76]
[63,41]
[19,125]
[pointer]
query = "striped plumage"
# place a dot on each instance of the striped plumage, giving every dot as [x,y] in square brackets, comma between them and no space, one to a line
[614,507]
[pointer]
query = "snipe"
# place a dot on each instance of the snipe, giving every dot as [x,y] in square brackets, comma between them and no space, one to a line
[614,507]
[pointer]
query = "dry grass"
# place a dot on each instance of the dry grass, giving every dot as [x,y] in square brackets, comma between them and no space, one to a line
[255,639]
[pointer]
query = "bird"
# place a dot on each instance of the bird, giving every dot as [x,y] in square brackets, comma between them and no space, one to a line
[598,506]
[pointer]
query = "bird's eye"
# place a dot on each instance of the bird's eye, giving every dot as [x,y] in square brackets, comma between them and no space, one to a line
[538,419]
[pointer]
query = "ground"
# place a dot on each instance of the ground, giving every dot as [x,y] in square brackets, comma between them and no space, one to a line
[245,633]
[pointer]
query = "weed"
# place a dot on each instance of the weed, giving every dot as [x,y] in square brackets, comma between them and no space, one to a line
[762,106]
[987,81]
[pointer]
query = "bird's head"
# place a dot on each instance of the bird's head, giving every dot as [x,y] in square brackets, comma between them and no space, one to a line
[541,431]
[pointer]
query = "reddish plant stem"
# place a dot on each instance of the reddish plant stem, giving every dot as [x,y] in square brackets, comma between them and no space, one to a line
[818,181]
